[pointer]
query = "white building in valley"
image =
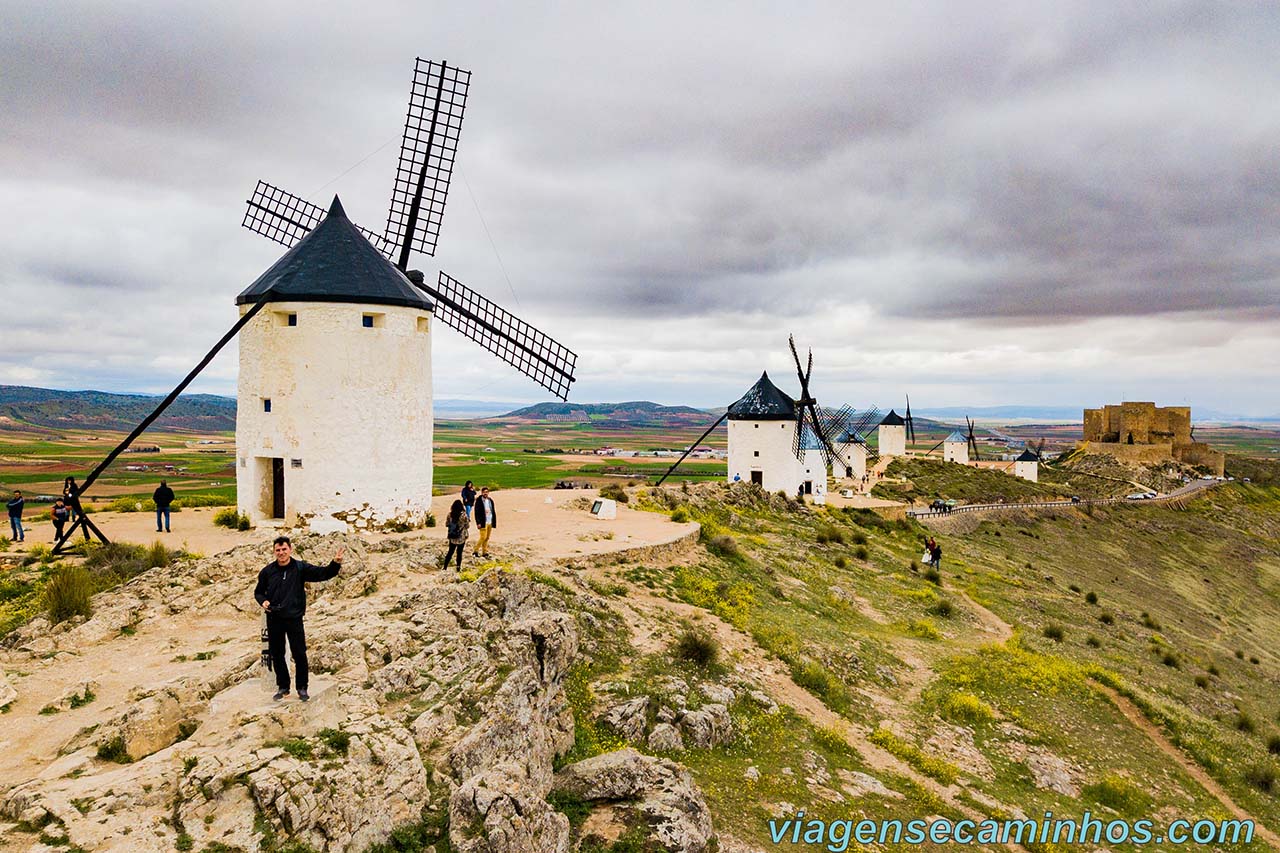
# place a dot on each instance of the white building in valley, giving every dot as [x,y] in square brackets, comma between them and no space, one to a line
[955,448]
[334,419]
[891,436]
[762,427]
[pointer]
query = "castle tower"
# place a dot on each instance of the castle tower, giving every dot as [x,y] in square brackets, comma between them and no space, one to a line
[334,411]
[1027,466]
[762,427]
[892,435]
[955,448]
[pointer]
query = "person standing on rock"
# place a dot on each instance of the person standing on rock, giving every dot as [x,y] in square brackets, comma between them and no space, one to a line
[282,594]
[486,521]
[15,505]
[163,497]
[457,525]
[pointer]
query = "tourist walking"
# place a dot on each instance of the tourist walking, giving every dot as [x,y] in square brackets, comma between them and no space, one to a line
[468,497]
[456,526]
[60,514]
[67,495]
[15,505]
[163,498]
[936,551]
[486,521]
[282,594]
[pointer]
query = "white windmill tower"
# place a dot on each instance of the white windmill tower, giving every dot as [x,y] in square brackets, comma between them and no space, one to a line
[335,414]
[955,448]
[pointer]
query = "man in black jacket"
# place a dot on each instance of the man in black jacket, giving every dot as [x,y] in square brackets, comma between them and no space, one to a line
[282,593]
[15,505]
[486,520]
[163,497]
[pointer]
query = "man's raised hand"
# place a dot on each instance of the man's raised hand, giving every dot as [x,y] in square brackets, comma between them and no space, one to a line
[338,558]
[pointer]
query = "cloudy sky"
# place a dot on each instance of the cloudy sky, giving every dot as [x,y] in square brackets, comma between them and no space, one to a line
[1036,203]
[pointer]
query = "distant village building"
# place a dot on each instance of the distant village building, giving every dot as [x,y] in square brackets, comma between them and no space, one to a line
[892,435]
[334,410]
[1027,466]
[762,427]
[955,448]
[1145,433]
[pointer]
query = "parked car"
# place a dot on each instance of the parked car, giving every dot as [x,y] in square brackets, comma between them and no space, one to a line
[1136,496]
[1075,499]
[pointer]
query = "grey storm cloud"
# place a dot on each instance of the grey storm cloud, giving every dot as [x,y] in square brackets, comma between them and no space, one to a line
[1000,166]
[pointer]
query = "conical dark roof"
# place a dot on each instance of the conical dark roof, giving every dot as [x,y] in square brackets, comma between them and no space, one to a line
[1027,456]
[763,402]
[893,419]
[335,263]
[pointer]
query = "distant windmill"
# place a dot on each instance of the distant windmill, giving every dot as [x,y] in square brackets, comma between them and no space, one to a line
[810,424]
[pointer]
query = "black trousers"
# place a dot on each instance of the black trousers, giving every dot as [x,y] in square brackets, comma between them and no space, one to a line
[279,628]
[449,556]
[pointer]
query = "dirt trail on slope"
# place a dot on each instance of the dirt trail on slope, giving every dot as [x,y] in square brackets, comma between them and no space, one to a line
[1139,720]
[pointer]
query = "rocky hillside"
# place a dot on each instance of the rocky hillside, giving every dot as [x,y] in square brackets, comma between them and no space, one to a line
[43,407]
[795,658]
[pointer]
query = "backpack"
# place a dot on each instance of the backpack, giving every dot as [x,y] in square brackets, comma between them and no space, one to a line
[451,528]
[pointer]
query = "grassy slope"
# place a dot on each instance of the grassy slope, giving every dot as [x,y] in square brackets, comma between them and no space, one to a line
[1207,577]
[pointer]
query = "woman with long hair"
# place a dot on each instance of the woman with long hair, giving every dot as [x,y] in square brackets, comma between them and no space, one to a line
[457,526]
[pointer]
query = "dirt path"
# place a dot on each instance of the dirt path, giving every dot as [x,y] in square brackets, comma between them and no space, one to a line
[1139,720]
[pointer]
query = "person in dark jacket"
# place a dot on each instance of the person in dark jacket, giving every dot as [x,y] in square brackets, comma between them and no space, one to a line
[486,520]
[60,515]
[15,505]
[163,497]
[468,497]
[457,525]
[282,593]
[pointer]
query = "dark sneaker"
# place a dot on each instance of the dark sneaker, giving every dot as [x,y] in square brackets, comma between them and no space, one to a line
[280,694]
[304,695]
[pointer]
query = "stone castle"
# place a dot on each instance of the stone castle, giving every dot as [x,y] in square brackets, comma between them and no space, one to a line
[1147,433]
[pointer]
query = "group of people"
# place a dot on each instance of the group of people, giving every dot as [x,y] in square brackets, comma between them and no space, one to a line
[932,554]
[62,511]
[458,522]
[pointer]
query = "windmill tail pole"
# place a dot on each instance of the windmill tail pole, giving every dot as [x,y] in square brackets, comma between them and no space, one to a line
[692,447]
[173,395]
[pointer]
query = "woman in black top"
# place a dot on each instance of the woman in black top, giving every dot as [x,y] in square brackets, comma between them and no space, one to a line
[468,497]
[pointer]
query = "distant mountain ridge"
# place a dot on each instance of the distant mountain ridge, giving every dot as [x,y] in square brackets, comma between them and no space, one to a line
[634,407]
[44,407]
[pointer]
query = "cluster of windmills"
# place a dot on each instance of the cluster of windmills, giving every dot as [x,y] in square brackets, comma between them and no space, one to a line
[793,445]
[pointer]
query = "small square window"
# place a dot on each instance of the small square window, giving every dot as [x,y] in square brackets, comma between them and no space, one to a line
[293,320]
[295,463]
[266,404]
[757,453]
[367,319]
[757,426]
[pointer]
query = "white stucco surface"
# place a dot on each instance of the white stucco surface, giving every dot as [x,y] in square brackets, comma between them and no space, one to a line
[855,457]
[955,451]
[1027,471]
[765,446]
[892,440]
[352,405]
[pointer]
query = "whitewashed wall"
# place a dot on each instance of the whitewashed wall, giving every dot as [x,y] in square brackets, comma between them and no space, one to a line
[955,451]
[856,457]
[353,404]
[892,440]
[1027,470]
[773,440]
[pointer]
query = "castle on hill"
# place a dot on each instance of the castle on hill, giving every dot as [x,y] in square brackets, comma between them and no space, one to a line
[1146,433]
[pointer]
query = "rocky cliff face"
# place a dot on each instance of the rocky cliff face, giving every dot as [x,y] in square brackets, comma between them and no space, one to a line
[438,707]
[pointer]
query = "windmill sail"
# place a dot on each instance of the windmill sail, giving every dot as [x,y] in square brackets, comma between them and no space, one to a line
[285,218]
[437,101]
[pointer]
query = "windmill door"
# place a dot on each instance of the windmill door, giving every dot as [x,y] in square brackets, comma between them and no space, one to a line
[277,488]
[757,477]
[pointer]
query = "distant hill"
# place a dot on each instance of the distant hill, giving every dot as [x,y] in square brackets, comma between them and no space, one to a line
[632,413]
[42,407]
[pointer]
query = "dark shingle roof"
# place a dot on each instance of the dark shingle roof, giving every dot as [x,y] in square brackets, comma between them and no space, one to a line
[1027,456]
[892,419]
[335,263]
[763,402]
